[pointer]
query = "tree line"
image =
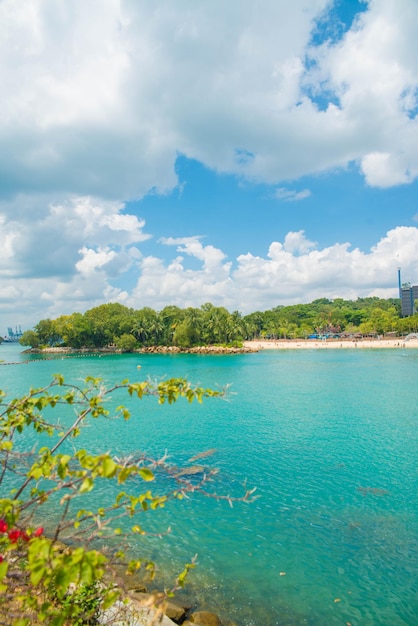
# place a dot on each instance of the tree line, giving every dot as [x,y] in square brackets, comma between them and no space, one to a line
[127,329]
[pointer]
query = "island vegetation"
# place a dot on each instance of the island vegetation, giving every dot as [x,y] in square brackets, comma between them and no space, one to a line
[128,329]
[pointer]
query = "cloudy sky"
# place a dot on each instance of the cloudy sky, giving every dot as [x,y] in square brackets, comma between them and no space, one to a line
[245,153]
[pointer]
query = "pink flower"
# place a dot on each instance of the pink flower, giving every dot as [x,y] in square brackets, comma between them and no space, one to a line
[38,532]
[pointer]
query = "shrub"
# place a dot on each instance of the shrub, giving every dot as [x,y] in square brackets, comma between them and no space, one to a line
[37,572]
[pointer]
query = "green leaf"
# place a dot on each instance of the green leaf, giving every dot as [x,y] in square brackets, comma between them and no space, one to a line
[146,474]
[36,473]
[38,571]
[110,598]
[124,474]
[87,485]
[4,566]
[62,466]
[109,467]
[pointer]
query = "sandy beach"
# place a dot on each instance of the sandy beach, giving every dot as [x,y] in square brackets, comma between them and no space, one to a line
[331,344]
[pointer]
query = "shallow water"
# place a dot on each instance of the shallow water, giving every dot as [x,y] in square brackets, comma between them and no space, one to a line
[329,438]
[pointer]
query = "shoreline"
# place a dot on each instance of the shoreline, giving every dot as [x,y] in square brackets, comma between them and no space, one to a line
[249,346]
[68,352]
[333,344]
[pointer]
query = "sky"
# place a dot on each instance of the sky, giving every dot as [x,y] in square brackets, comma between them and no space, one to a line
[245,153]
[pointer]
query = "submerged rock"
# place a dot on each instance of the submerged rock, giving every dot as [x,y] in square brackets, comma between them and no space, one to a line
[192,470]
[203,618]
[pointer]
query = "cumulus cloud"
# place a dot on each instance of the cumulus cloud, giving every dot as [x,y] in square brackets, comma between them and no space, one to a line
[52,243]
[382,169]
[210,256]
[294,270]
[105,110]
[297,243]
[99,99]
[373,75]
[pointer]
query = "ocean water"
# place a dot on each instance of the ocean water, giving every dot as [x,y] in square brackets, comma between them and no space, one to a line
[328,438]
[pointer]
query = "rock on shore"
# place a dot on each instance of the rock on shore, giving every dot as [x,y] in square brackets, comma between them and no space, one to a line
[145,350]
[141,611]
[196,350]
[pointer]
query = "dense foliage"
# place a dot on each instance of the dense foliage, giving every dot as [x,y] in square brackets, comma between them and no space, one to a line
[57,575]
[366,316]
[128,329]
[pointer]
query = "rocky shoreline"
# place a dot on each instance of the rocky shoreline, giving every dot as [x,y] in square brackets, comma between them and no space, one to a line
[141,608]
[197,350]
[145,350]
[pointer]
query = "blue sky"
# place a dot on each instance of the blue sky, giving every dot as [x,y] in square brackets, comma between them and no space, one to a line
[246,154]
[241,217]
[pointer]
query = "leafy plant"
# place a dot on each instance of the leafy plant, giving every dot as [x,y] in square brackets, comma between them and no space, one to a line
[58,576]
[84,604]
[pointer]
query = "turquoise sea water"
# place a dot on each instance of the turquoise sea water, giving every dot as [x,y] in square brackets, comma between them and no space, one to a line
[329,438]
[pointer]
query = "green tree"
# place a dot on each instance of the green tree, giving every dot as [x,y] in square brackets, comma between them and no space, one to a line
[46,331]
[170,317]
[236,327]
[186,334]
[126,343]
[29,338]
[147,326]
[156,328]
[254,323]
[107,322]
[74,330]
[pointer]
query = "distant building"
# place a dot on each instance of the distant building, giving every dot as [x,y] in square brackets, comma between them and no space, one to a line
[408,295]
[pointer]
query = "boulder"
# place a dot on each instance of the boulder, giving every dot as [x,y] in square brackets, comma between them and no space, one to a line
[132,614]
[203,618]
[175,612]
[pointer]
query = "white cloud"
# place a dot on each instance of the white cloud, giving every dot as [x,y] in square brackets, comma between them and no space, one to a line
[51,243]
[297,243]
[93,260]
[373,74]
[295,270]
[212,257]
[382,169]
[100,98]
[291,195]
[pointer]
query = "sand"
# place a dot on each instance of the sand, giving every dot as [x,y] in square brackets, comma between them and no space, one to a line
[313,344]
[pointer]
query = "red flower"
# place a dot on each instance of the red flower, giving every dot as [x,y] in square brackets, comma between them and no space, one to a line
[1,559]
[3,526]
[14,535]
[38,532]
